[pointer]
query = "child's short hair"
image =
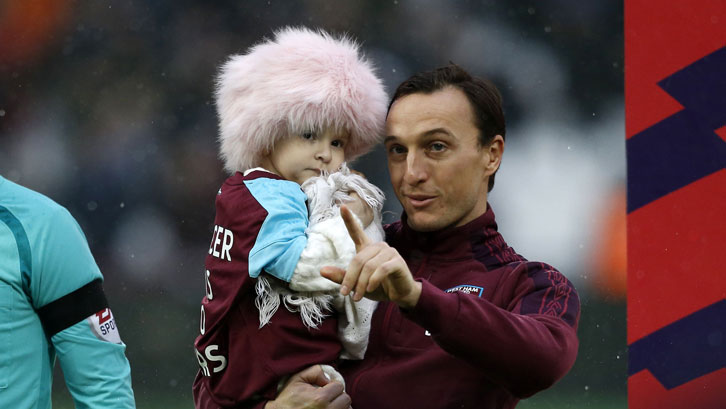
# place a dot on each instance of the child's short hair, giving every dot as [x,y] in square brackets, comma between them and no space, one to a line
[300,80]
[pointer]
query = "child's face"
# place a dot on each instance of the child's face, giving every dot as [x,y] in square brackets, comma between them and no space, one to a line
[302,156]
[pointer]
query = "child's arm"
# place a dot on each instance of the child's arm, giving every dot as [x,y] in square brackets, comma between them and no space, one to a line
[281,238]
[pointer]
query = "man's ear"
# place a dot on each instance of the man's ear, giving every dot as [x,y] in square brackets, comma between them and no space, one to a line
[493,156]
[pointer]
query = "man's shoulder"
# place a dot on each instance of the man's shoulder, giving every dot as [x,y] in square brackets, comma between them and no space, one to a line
[31,207]
[550,293]
[527,269]
[537,267]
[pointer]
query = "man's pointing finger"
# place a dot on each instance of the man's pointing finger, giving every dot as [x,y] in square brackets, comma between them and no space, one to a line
[354,229]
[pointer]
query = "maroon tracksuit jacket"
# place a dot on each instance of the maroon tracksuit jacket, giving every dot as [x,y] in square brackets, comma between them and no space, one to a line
[490,327]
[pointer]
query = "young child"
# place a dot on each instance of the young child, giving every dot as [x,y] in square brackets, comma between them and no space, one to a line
[291,109]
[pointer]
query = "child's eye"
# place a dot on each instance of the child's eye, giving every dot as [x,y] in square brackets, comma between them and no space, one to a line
[338,143]
[307,135]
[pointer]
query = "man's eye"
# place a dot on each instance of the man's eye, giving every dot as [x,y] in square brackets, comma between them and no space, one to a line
[437,147]
[396,150]
[307,135]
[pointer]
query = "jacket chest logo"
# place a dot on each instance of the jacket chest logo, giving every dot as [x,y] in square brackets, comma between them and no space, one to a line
[468,289]
[464,288]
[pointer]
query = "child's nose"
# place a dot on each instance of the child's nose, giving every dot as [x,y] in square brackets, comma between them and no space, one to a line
[324,154]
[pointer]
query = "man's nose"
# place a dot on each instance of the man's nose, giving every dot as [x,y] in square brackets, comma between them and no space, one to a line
[415,169]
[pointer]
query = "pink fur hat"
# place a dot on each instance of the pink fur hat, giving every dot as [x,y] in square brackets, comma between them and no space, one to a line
[300,80]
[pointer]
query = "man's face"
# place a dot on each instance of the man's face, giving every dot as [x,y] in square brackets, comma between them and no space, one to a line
[438,169]
[302,156]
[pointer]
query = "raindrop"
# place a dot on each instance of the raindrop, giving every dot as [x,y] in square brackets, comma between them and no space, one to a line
[548,29]
[587,388]
[92,205]
[2,112]
[122,205]
[530,11]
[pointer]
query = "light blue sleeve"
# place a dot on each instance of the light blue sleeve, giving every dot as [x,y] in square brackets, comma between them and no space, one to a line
[96,371]
[282,237]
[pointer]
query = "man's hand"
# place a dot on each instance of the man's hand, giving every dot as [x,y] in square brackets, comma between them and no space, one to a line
[377,271]
[311,389]
[360,208]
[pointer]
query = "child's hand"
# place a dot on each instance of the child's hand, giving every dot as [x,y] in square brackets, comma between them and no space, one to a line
[360,208]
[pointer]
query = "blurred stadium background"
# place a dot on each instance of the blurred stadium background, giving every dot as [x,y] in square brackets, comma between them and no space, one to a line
[106,106]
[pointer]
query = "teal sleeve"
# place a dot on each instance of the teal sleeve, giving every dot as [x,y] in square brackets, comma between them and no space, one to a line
[94,365]
[44,256]
[62,261]
[96,371]
[281,238]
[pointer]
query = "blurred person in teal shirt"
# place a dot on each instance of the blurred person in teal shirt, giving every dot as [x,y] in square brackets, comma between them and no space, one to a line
[52,305]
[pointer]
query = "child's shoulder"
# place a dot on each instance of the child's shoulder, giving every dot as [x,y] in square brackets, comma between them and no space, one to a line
[261,187]
[239,180]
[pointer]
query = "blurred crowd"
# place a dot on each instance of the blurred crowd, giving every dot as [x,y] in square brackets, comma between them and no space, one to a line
[107,107]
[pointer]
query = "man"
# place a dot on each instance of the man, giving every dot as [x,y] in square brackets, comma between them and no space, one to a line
[52,304]
[466,322]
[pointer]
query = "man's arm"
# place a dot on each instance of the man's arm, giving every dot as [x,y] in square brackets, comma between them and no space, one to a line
[524,353]
[71,304]
[94,365]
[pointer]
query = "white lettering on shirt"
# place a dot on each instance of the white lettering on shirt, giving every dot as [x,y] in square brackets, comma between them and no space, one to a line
[226,239]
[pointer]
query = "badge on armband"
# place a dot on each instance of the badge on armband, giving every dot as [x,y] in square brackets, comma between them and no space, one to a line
[104,327]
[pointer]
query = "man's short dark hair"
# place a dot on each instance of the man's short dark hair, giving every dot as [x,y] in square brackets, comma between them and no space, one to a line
[484,97]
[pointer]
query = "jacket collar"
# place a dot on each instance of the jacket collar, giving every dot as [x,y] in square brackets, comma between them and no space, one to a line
[477,239]
[239,177]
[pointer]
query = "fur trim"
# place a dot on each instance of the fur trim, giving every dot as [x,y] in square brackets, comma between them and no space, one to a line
[300,80]
[312,306]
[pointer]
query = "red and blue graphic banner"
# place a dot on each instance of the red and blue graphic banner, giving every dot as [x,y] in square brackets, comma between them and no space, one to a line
[675,102]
